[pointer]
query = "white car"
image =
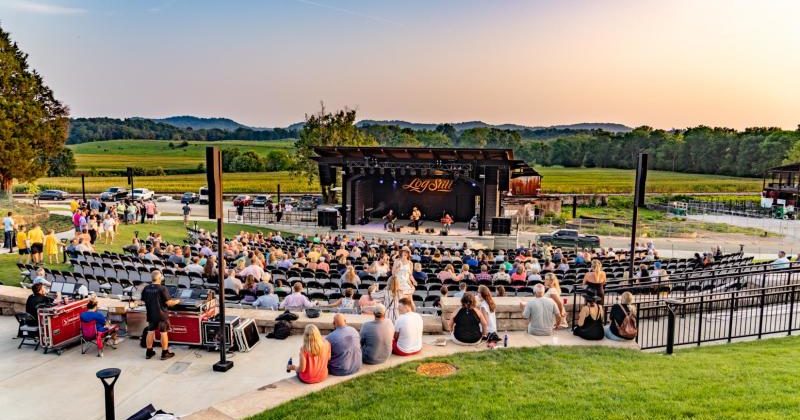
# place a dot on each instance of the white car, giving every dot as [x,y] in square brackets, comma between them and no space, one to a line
[142,194]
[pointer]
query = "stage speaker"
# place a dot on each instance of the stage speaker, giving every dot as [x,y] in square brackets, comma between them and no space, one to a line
[503,179]
[327,219]
[214,180]
[211,331]
[501,226]
[443,233]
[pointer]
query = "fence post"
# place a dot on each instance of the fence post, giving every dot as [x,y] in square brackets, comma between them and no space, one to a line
[791,308]
[670,329]
[730,316]
[700,321]
[761,313]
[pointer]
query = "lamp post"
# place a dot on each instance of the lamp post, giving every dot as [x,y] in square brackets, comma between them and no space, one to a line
[109,378]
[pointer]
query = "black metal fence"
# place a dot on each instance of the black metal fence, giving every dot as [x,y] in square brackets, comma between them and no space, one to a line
[262,216]
[707,318]
[746,208]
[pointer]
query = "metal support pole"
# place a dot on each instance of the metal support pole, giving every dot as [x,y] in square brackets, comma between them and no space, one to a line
[482,218]
[83,187]
[670,329]
[791,308]
[223,365]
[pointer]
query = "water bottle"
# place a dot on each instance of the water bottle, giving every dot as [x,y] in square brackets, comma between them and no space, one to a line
[505,340]
[288,364]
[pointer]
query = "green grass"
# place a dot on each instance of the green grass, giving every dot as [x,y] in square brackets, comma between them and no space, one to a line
[172,232]
[744,381]
[151,154]
[607,181]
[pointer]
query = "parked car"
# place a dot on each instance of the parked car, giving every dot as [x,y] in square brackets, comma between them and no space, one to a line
[289,200]
[142,194]
[261,200]
[189,198]
[570,238]
[114,194]
[204,195]
[309,202]
[53,195]
[244,200]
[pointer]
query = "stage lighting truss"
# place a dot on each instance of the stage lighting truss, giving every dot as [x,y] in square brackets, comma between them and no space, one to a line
[411,168]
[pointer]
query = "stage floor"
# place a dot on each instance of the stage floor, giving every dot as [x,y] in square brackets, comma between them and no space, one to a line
[406,228]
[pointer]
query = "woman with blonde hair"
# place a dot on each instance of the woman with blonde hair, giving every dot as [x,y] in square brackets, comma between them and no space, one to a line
[390,297]
[554,292]
[595,280]
[616,317]
[402,270]
[350,276]
[314,356]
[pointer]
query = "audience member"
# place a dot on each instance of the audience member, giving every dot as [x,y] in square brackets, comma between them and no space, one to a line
[589,325]
[315,353]
[408,330]
[345,348]
[297,301]
[541,312]
[617,317]
[269,300]
[376,337]
[468,324]
[595,279]
[488,308]
[554,292]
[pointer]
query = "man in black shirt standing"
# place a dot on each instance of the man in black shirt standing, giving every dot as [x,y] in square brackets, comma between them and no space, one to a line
[156,300]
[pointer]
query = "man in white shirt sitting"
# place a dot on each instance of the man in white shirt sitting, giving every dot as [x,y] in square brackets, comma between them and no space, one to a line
[501,274]
[297,301]
[541,312]
[253,269]
[233,283]
[407,330]
[195,266]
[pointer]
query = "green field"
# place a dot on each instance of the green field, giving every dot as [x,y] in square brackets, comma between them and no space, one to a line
[556,180]
[603,180]
[738,381]
[152,154]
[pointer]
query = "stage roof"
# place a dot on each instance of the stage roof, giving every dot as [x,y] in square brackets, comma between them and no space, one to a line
[332,154]
[414,153]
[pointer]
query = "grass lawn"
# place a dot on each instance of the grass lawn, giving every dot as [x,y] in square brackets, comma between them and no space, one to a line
[171,231]
[604,180]
[746,380]
[151,154]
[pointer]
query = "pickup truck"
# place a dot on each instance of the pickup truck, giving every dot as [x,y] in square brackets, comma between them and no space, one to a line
[570,238]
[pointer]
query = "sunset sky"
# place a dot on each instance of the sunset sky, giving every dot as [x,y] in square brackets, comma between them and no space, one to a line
[662,63]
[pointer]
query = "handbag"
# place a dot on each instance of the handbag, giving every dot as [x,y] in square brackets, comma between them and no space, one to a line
[312,313]
[628,328]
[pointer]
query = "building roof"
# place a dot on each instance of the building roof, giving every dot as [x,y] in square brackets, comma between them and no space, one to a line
[792,167]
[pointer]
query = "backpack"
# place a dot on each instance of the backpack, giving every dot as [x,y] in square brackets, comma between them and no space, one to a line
[628,328]
[281,330]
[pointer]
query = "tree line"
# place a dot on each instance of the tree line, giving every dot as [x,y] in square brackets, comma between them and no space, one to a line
[83,130]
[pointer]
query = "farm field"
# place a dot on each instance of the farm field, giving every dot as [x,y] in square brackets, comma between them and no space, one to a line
[605,180]
[152,154]
[556,181]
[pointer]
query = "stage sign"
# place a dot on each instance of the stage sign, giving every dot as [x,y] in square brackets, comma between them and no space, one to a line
[418,185]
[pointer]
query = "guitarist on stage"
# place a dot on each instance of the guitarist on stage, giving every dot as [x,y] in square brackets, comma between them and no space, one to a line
[415,216]
[447,220]
[389,220]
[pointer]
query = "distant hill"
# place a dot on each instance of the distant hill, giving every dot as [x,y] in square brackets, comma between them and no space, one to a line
[198,123]
[460,126]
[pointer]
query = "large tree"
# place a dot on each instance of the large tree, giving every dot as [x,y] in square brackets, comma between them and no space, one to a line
[33,124]
[327,129]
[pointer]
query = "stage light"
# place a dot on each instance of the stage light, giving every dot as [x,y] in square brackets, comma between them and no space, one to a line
[380,181]
[474,184]
[394,182]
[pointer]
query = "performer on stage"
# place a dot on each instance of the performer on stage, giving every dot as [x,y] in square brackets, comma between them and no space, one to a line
[415,216]
[389,220]
[447,220]
[157,299]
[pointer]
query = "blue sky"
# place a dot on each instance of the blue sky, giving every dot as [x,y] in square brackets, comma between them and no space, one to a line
[267,63]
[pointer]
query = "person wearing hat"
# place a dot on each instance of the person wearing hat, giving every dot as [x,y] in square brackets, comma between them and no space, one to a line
[376,337]
[590,320]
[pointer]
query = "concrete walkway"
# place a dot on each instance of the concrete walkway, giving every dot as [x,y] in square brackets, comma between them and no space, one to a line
[36,386]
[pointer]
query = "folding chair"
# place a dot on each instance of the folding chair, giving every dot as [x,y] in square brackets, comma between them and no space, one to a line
[90,335]
[27,330]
